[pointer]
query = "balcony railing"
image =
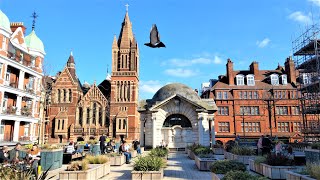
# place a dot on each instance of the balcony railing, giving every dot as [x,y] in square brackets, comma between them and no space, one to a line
[18,59]
[10,110]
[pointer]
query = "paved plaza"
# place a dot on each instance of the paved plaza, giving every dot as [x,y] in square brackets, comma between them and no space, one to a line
[179,167]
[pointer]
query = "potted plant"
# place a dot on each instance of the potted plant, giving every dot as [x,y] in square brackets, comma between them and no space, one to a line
[51,157]
[116,159]
[241,175]
[104,162]
[312,172]
[276,165]
[160,152]
[313,154]
[203,158]
[219,168]
[148,167]
[15,173]
[255,164]
[94,147]
[191,150]
[241,154]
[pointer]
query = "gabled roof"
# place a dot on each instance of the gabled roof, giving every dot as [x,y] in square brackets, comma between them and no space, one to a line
[17,40]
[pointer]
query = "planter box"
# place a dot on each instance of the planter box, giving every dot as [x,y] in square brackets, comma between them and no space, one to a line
[296,176]
[255,167]
[147,174]
[278,172]
[203,164]
[95,171]
[218,151]
[312,155]
[216,176]
[190,154]
[48,157]
[117,160]
[239,158]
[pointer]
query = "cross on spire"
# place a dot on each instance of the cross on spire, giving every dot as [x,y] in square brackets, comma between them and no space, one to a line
[127,7]
[34,16]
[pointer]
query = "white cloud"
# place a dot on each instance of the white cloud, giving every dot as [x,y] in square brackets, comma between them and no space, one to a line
[263,43]
[151,86]
[300,17]
[179,72]
[315,2]
[195,61]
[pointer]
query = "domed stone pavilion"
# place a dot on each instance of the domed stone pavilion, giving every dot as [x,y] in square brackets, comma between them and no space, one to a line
[177,116]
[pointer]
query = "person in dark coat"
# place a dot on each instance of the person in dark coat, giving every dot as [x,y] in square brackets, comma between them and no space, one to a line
[266,145]
[102,140]
[4,154]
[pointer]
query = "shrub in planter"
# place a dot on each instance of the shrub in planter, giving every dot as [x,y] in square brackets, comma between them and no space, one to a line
[194,147]
[202,150]
[78,166]
[100,159]
[278,160]
[242,150]
[206,155]
[224,166]
[229,145]
[313,170]
[159,152]
[260,159]
[148,163]
[241,175]
[113,154]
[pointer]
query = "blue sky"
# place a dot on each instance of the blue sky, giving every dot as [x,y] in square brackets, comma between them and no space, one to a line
[199,35]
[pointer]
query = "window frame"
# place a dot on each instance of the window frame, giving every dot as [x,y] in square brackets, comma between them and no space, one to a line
[274,77]
[250,82]
[240,78]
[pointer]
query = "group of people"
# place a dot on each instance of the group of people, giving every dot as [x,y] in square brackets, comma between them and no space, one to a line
[106,144]
[265,145]
[13,157]
[125,149]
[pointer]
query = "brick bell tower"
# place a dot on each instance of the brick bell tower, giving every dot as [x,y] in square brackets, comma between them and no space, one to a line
[124,116]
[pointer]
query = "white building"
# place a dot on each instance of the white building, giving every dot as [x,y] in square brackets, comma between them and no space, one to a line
[177,116]
[21,59]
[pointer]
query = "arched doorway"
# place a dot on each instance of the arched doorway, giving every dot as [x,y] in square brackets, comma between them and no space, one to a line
[177,131]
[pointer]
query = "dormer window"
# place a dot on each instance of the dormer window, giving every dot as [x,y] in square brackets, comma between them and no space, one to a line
[274,79]
[284,79]
[240,80]
[250,80]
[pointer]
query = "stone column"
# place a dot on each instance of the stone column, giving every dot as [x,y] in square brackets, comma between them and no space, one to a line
[18,105]
[142,121]
[33,107]
[201,129]
[16,131]
[154,126]
[2,99]
[21,80]
[31,132]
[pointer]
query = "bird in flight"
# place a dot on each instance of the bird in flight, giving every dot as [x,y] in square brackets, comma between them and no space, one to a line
[154,38]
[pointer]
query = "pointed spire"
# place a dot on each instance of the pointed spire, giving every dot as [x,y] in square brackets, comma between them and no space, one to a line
[71,59]
[114,43]
[126,34]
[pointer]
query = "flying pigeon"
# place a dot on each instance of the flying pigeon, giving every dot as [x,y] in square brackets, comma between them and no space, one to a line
[155,38]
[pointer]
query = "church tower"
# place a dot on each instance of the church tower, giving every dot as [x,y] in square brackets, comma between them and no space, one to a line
[124,114]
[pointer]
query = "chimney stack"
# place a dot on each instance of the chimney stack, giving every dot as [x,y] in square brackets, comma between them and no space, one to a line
[16,25]
[290,70]
[230,72]
[254,68]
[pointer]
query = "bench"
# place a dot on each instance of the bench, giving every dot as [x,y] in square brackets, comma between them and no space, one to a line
[67,157]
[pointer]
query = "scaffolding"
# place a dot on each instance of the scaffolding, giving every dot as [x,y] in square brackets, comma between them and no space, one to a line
[306,49]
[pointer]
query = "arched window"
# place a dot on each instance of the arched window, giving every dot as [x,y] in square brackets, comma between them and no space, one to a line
[88,116]
[64,95]
[94,113]
[59,96]
[58,124]
[62,127]
[177,119]
[70,95]
[124,124]
[100,116]
[80,115]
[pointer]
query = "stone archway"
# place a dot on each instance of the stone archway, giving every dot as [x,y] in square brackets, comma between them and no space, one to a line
[176,130]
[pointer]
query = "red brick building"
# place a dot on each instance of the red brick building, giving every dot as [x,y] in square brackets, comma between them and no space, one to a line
[124,114]
[75,110]
[256,102]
